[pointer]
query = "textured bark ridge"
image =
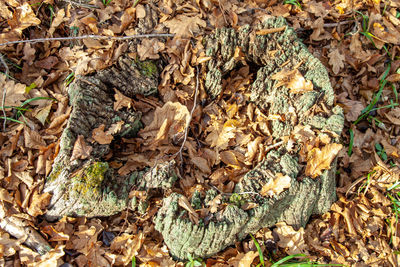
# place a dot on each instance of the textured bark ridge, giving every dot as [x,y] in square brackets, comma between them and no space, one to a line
[91,187]
[269,54]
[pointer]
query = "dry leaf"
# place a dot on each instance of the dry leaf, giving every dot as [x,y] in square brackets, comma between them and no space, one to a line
[291,239]
[81,150]
[184,26]
[276,186]
[100,136]
[184,203]
[229,158]
[202,164]
[33,139]
[47,63]
[15,91]
[293,80]
[39,203]
[336,60]
[169,120]
[321,159]
[149,49]
[214,204]
[248,259]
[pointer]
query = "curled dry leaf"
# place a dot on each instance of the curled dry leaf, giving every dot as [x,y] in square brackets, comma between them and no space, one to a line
[321,159]
[39,203]
[81,150]
[276,186]
[121,101]
[291,239]
[184,203]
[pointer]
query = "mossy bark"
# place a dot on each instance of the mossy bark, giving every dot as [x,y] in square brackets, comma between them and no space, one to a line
[91,187]
[305,196]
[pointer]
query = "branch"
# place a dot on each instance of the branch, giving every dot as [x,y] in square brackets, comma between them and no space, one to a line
[98,37]
[15,227]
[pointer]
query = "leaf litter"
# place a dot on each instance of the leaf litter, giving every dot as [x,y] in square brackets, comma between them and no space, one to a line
[361,228]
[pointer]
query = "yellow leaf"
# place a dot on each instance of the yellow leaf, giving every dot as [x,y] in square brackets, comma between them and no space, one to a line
[229,158]
[276,186]
[321,159]
[293,80]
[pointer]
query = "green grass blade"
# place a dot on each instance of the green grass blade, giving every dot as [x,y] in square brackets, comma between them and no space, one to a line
[260,253]
[351,142]
[36,98]
[11,119]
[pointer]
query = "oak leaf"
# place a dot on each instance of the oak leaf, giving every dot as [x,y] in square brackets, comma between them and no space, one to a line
[321,159]
[336,60]
[15,91]
[100,136]
[276,186]
[169,120]
[121,101]
[291,239]
[184,26]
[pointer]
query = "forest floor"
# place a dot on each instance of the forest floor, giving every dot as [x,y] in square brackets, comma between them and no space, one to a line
[357,41]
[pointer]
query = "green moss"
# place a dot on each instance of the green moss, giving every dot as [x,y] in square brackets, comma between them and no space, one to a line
[90,178]
[147,68]
[55,172]
[237,200]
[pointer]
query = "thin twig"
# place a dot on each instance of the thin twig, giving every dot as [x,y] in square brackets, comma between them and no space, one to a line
[3,99]
[328,25]
[190,117]
[99,37]
[268,148]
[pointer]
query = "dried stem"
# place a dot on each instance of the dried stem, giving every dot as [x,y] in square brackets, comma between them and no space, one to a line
[98,37]
[3,99]
[190,116]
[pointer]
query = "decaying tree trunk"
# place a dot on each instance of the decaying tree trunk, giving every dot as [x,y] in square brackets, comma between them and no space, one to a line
[270,53]
[90,187]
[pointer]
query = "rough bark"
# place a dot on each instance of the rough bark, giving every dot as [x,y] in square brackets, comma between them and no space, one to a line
[306,196]
[91,187]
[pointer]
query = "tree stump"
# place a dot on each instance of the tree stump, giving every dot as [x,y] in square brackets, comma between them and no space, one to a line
[270,47]
[89,186]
